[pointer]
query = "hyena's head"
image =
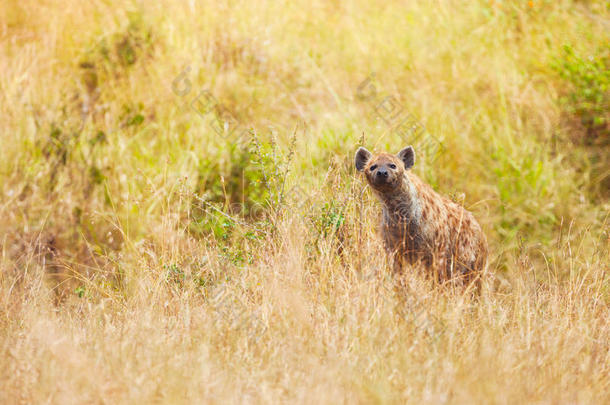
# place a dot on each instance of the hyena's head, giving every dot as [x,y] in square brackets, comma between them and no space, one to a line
[384,171]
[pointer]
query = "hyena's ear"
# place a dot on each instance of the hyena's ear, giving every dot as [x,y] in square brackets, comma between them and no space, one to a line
[362,157]
[407,155]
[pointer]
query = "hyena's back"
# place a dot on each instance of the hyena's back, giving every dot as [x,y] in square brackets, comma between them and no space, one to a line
[445,236]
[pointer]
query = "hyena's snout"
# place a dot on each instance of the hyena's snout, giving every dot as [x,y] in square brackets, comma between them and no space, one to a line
[382,173]
[381,176]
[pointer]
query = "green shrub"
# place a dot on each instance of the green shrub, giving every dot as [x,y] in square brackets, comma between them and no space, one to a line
[227,188]
[588,90]
[239,188]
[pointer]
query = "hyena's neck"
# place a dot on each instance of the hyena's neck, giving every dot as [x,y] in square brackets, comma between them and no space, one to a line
[402,204]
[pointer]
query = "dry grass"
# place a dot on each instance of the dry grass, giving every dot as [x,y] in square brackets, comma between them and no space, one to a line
[117,287]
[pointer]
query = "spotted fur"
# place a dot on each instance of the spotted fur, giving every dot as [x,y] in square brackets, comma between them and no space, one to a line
[419,225]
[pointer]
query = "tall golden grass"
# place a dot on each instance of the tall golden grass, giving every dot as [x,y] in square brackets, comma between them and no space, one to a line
[147,258]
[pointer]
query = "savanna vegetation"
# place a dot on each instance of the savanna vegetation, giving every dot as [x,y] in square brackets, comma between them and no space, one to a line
[181,221]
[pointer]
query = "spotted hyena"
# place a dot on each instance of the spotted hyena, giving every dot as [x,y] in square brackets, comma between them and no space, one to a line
[420,225]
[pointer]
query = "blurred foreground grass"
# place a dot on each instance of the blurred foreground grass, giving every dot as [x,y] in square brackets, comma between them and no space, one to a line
[180,219]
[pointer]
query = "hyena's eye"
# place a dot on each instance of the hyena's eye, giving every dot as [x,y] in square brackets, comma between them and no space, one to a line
[392,166]
[373,167]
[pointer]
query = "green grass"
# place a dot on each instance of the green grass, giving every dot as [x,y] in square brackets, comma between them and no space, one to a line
[181,221]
